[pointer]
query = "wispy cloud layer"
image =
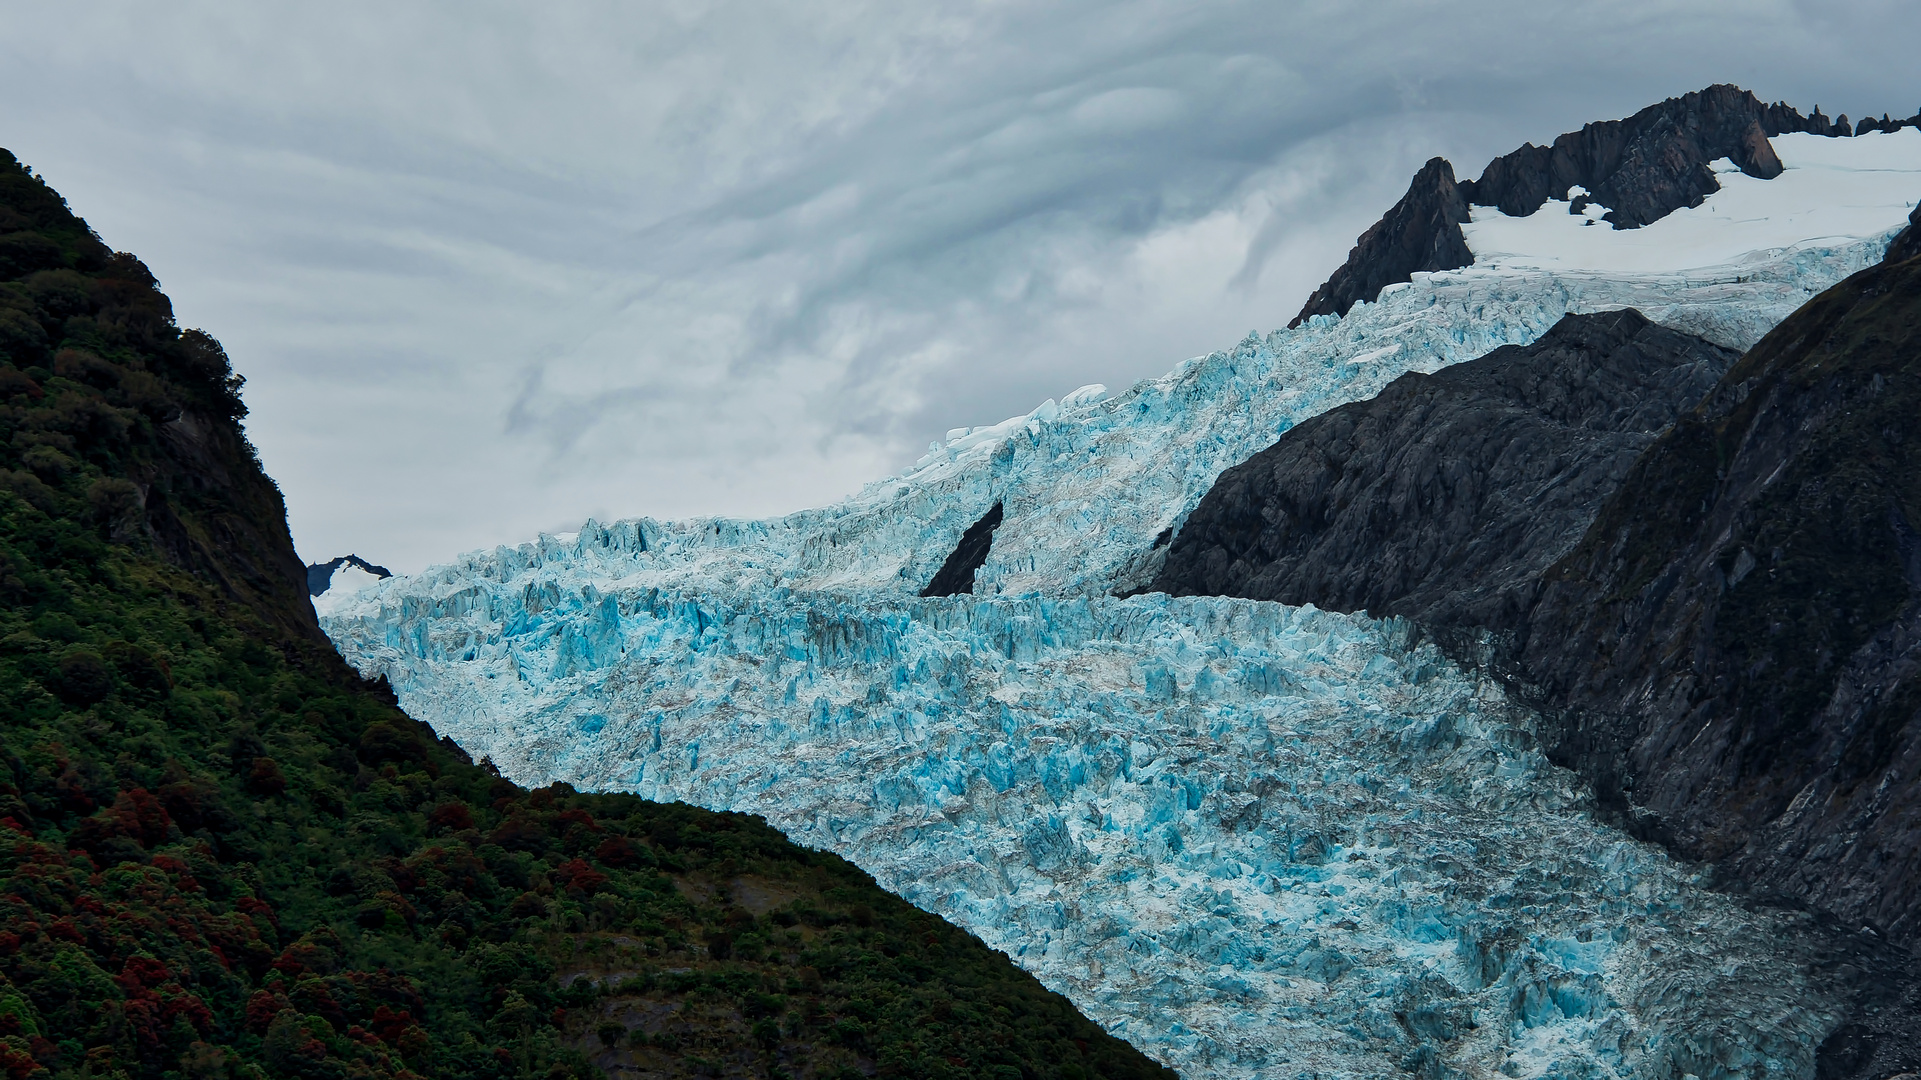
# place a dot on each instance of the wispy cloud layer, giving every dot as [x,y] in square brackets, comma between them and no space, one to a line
[492,269]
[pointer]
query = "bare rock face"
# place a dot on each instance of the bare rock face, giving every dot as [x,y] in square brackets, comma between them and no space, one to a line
[1734,649]
[956,575]
[1732,655]
[1446,495]
[1647,166]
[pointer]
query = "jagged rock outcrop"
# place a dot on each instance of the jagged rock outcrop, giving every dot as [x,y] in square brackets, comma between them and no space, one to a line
[956,574]
[1421,233]
[1641,168]
[320,575]
[1646,166]
[1445,495]
[1885,123]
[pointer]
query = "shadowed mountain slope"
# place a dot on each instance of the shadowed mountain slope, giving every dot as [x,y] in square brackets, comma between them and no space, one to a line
[1434,498]
[1736,644]
[1730,651]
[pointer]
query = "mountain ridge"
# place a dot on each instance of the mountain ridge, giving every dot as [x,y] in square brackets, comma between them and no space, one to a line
[1641,168]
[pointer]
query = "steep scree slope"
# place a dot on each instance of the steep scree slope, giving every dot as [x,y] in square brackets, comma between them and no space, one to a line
[224,855]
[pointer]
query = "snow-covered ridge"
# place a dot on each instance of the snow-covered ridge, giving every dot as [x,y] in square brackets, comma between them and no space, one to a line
[1829,190]
[1255,840]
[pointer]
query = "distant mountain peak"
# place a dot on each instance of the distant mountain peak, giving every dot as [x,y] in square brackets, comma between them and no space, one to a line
[1641,168]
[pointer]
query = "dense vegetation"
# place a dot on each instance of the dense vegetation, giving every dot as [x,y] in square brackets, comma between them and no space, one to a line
[222,854]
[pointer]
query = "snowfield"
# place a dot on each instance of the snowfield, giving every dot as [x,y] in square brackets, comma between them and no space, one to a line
[1257,841]
[1830,189]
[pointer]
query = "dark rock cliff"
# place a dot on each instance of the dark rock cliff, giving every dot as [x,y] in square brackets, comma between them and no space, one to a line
[1641,168]
[1442,495]
[956,574]
[1735,647]
[1646,166]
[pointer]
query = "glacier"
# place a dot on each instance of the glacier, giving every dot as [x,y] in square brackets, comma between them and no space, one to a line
[1255,840]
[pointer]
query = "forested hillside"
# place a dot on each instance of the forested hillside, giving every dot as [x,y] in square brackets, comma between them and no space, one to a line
[223,854]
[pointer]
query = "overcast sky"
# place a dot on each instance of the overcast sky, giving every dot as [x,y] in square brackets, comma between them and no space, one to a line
[492,269]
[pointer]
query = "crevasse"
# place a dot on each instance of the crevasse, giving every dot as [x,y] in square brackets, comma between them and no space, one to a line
[1255,840]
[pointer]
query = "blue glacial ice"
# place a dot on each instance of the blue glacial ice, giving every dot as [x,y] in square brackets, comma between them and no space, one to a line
[1255,840]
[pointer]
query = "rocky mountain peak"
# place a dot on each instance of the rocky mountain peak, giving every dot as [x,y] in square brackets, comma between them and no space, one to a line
[1642,168]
